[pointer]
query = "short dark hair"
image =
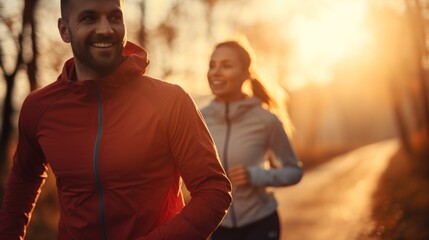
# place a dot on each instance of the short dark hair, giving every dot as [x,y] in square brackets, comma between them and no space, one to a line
[64,6]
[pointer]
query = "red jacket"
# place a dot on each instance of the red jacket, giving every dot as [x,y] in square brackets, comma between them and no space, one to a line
[118,147]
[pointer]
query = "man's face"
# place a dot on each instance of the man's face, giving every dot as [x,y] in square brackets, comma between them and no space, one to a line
[97,33]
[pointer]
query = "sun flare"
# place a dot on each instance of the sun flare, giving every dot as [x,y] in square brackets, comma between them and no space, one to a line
[321,33]
[325,37]
[336,31]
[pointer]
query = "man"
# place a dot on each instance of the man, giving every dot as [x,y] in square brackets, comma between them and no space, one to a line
[117,141]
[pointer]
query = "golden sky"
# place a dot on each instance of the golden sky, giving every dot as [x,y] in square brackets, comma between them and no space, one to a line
[321,33]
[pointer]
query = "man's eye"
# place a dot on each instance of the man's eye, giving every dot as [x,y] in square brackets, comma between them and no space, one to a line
[88,18]
[116,17]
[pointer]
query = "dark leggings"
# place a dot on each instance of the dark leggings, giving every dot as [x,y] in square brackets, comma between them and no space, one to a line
[267,228]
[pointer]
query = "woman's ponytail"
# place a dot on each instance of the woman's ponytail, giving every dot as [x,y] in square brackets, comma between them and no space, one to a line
[274,103]
[261,92]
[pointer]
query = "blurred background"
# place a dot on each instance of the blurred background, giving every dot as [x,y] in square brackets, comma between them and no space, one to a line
[356,72]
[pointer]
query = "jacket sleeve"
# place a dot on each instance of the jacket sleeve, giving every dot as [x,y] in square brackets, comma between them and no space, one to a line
[288,169]
[197,161]
[25,180]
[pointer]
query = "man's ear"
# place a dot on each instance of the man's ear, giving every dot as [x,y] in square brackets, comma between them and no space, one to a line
[63,29]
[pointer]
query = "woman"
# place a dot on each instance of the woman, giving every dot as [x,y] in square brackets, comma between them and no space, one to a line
[252,143]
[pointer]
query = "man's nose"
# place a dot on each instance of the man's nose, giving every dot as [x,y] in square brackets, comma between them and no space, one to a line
[104,27]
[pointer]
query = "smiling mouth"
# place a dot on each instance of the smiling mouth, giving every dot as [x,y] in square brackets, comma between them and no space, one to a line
[218,83]
[102,45]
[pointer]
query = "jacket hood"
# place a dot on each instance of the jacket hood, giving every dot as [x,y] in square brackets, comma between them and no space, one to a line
[135,63]
[235,109]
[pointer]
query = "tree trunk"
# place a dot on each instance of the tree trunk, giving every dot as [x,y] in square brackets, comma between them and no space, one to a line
[28,21]
[142,31]
[6,129]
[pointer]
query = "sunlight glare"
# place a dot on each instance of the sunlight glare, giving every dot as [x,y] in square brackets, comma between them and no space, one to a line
[335,30]
[326,37]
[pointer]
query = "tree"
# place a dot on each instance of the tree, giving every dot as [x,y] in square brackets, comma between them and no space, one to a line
[26,59]
[417,137]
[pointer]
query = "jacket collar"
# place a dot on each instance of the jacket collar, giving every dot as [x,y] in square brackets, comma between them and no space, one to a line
[235,108]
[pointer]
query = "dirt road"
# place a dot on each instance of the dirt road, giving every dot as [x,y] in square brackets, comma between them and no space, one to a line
[333,201]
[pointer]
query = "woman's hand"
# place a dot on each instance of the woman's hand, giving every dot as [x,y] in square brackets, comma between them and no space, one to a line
[239,176]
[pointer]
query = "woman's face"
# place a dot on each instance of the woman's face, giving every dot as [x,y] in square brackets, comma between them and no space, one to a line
[226,74]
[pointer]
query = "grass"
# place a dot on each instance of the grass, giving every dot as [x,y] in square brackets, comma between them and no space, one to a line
[401,202]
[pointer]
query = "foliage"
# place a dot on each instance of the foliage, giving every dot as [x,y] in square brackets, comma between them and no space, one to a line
[401,203]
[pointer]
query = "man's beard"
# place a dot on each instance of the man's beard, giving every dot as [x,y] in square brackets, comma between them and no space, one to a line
[102,65]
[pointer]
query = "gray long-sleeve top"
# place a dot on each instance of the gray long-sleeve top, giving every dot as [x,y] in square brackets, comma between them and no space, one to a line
[247,134]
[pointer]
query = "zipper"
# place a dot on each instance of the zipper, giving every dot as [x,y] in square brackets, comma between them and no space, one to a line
[95,164]
[225,156]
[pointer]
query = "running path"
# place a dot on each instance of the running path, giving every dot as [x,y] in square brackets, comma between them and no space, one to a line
[333,201]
